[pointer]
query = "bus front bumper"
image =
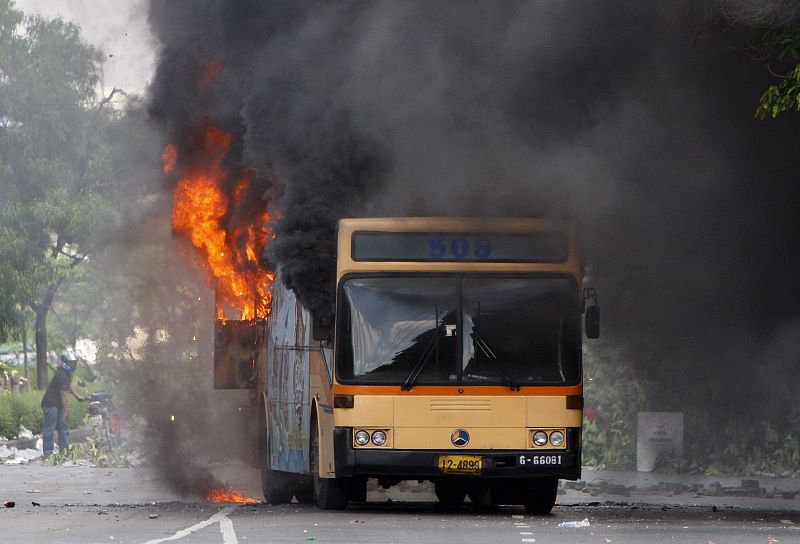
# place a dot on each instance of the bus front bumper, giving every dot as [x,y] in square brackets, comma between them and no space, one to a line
[423,464]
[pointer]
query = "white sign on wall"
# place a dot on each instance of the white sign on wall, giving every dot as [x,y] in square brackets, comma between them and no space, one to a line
[658,433]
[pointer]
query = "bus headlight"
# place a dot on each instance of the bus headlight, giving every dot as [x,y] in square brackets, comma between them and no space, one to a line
[557,438]
[362,438]
[540,438]
[379,438]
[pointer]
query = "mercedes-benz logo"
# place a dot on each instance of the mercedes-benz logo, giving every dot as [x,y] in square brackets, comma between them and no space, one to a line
[459,438]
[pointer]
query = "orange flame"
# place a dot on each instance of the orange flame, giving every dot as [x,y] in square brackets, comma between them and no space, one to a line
[230,495]
[169,157]
[211,69]
[232,258]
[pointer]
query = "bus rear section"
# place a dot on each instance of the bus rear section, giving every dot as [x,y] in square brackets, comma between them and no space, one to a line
[458,358]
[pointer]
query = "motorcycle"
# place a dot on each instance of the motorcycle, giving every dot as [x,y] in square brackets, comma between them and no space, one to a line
[104,419]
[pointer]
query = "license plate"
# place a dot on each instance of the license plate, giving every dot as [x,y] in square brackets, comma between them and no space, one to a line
[556,459]
[464,464]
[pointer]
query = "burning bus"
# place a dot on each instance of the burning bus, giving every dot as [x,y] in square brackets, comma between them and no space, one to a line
[454,356]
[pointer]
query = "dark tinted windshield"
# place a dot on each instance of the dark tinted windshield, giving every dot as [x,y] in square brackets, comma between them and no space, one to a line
[472,330]
[520,330]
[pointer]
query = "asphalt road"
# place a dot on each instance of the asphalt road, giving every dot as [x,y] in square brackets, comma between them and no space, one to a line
[86,505]
[400,522]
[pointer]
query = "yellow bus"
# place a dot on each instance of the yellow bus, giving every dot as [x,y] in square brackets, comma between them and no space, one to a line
[455,358]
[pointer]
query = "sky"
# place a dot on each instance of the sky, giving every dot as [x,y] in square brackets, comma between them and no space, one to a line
[118,28]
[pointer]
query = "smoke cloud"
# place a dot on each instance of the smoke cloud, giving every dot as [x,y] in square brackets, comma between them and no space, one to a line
[633,119]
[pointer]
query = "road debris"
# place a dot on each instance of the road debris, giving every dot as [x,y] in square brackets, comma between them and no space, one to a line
[9,504]
[34,503]
[574,524]
[153,516]
[10,455]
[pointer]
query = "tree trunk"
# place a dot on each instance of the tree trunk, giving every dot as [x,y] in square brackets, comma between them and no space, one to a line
[25,344]
[41,345]
[41,311]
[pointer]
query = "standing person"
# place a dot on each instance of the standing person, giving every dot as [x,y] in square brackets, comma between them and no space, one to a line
[55,407]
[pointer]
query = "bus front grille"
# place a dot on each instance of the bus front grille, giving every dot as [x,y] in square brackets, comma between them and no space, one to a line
[460,405]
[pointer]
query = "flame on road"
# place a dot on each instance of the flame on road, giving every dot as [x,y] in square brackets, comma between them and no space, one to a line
[230,495]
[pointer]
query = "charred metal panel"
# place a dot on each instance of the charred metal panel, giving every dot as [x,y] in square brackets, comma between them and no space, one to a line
[236,346]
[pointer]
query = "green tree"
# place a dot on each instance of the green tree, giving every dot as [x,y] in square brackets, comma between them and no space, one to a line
[785,95]
[777,27]
[55,167]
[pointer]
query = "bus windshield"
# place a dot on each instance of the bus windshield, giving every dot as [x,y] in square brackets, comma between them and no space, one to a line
[472,330]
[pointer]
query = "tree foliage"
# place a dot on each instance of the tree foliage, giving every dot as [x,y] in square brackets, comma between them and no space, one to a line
[56,167]
[785,95]
[777,27]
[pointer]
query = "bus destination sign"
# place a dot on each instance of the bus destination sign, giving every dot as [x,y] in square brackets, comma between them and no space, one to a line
[528,247]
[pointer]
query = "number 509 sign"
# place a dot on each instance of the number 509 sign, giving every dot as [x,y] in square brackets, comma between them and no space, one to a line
[459,248]
[543,247]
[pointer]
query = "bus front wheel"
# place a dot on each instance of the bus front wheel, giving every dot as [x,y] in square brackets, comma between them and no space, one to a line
[331,493]
[541,496]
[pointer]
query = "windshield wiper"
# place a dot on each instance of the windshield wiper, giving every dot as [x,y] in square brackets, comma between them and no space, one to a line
[489,353]
[432,346]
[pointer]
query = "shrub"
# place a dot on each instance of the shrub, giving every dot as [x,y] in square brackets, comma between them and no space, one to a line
[77,412]
[613,398]
[26,409]
[9,428]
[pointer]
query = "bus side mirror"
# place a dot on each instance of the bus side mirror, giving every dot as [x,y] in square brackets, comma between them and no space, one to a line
[592,322]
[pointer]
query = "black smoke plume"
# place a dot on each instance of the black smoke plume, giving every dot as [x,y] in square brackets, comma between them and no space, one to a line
[633,119]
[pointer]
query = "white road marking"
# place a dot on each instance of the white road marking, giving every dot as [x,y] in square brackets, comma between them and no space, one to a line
[529,540]
[525,533]
[221,517]
[226,528]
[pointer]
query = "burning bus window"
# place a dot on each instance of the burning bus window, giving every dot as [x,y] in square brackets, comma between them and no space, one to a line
[230,251]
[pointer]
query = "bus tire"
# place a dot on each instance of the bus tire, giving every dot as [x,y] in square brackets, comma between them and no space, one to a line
[479,494]
[358,489]
[330,493]
[277,489]
[275,485]
[304,492]
[450,493]
[541,496]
